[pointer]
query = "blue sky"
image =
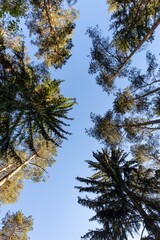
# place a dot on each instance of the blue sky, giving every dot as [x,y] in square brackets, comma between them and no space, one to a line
[53,205]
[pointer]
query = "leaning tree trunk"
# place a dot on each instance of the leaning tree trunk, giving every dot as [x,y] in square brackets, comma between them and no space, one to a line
[13,173]
[149,224]
[5,168]
[148,35]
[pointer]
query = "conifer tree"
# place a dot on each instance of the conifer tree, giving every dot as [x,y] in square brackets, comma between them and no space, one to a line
[31,104]
[16,226]
[14,8]
[53,27]
[125,195]
[132,21]
[50,24]
[10,191]
[125,189]
[24,166]
[135,113]
[133,24]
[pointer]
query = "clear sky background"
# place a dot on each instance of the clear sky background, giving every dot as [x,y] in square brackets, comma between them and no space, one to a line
[53,204]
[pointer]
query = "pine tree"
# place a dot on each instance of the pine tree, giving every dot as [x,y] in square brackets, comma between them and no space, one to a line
[24,166]
[53,27]
[125,195]
[10,191]
[132,21]
[132,28]
[50,22]
[16,226]
[14,8]
[125,192]
[135,113]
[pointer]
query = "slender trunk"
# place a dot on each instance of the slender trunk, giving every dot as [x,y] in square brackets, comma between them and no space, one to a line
[148,35]
[150,225]
[47,6]
[121,185]
[147,123]
[13,173]
[141,124]
[5,168]
[12,233]
[148,93]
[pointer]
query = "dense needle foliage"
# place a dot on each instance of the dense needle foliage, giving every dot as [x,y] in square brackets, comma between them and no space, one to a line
[125,190]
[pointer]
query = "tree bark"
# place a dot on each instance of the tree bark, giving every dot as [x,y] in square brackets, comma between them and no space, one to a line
[140,124]
[5,168]
[13,173]
[148,93]
[12,233]
[148,35]
[150,225]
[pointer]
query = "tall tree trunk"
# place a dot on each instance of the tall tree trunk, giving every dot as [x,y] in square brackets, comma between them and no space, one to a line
[150,225]
[148,35]
[5,168]
[121,184]
[141,124]
[12,233]
[13,173]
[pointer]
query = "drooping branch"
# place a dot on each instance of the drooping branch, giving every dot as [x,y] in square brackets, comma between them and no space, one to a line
[39,167]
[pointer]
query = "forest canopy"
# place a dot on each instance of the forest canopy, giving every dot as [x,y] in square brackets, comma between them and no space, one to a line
[34,114]
[124,191]
[36,41]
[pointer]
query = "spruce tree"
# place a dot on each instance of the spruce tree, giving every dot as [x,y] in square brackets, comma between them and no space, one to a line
[31,104]
[125,196]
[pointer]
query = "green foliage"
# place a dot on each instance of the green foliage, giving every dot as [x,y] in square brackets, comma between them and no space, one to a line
[23,166]
[124,196]
[49,22]
[124,102]
[37,166]
[53,27]
[135,113]
[10,191]
[125,193]
[16,226]
[105,60]
[106,128]
[132,20]
[146,152]
[131,29]
[33,112]
[31,104]
[14,8]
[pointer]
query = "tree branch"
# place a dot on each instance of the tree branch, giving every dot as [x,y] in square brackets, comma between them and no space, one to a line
[147,36]
[39,167]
